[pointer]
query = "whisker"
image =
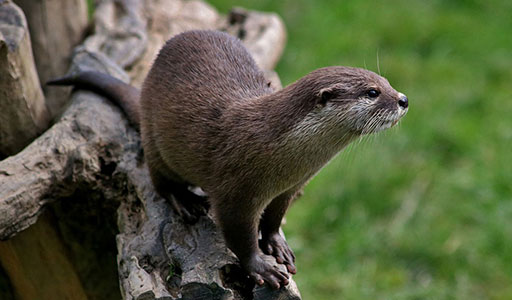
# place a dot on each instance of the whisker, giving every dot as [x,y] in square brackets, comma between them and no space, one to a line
[378,61]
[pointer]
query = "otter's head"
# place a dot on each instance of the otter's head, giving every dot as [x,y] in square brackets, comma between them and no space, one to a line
[355,101]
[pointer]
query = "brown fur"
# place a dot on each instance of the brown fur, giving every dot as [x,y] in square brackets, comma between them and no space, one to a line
[209,118]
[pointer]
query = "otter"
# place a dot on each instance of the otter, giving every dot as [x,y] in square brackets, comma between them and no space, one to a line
[209,118]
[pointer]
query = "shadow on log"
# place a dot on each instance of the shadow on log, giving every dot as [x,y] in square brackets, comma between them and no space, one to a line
[89,165]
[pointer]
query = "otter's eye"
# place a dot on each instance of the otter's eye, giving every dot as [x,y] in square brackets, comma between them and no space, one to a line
[373,93]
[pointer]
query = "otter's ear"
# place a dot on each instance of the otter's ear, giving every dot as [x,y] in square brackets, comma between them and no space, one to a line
[326,95]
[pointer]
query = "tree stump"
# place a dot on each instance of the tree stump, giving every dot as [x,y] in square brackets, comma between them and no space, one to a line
[56,27]
[23,113]
[88,168]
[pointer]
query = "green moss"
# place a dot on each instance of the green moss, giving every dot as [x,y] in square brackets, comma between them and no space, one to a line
[90,8]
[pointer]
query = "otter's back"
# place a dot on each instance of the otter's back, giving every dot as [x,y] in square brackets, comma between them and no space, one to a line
[195,77]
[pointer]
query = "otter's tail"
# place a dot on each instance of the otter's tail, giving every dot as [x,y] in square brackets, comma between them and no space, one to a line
[124,95]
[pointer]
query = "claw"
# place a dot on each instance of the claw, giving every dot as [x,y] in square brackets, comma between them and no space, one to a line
[291,269]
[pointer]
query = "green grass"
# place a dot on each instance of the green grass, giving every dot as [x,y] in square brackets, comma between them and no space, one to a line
[423,211]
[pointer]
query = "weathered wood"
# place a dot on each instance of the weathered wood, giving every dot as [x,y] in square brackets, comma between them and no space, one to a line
[165,19]
[23,114]
[56,27]
[263,34]
[38,266]
[41,172]
[93,148]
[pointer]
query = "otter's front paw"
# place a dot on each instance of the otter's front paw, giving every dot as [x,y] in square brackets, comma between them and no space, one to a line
[261,271]
[276,246]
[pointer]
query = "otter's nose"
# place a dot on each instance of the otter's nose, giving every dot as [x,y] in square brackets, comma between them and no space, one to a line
[403,102]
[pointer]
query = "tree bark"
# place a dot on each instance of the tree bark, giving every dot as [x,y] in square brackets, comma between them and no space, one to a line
[92,152]
[23,114]
[56,27]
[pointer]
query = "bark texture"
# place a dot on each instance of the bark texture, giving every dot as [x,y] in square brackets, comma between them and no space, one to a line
[23,114]
[92,152]
[56,27]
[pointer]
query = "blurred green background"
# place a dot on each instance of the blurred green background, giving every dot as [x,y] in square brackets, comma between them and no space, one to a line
[422,211]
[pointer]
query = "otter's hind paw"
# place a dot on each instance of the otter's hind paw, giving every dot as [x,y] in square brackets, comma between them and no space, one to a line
[190,206]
